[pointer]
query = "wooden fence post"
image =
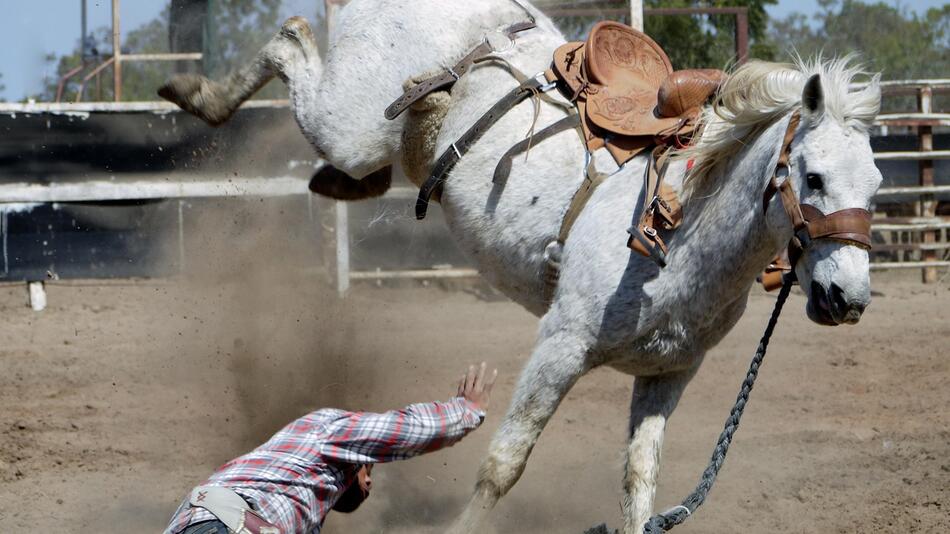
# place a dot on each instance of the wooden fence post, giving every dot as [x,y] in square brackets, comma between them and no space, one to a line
[636,14]
[927,205]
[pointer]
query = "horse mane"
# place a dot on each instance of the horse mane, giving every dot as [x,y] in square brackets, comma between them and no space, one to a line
[758,93]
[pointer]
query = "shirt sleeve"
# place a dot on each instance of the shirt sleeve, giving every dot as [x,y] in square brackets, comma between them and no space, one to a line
[360,437]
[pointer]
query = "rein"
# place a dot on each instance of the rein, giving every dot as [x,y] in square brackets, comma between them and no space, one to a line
[662,522]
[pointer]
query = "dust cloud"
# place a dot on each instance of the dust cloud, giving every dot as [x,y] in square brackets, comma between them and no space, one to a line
[280,333]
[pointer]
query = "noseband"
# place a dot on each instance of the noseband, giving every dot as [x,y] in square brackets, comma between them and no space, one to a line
[851,226]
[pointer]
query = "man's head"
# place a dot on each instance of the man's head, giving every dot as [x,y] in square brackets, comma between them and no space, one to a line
[357,492]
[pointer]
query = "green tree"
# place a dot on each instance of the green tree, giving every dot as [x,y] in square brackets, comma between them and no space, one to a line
[894,41]
[235,31]
[708,41]
[691,41]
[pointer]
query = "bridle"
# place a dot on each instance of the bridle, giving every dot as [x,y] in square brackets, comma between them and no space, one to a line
[851,226]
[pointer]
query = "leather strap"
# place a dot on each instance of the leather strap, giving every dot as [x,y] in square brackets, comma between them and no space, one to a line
[852,226]
[503,168]
[452,75]
[592,179]
[459,148]
[783,165]
[661,211]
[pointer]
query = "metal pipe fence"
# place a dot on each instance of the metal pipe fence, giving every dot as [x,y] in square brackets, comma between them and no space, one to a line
[922,240]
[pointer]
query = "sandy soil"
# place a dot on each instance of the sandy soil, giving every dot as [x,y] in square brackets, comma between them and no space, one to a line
[120,396]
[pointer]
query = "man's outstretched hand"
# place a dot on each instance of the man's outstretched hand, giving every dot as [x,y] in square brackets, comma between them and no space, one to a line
[475,386]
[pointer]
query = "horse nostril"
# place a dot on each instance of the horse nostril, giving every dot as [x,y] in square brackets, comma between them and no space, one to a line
[838,301]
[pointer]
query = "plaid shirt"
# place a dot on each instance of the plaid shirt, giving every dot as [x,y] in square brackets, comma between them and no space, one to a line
[294,479]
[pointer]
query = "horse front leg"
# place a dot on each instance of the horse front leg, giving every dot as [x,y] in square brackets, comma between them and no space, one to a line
[215,101]
[555,365]
[654,399]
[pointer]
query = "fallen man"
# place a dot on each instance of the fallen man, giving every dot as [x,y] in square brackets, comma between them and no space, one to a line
[323,461]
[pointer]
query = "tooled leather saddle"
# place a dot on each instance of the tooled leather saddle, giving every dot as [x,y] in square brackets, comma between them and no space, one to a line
[626,91]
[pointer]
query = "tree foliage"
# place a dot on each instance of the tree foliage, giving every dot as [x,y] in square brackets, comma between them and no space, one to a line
[691,41]
[900,43]
[708,41]
[237,29]
[897,42]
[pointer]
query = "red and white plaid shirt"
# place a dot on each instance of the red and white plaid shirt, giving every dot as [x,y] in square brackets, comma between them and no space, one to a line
[294,479]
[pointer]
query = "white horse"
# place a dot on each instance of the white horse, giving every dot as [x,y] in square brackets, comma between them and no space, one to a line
[611,307]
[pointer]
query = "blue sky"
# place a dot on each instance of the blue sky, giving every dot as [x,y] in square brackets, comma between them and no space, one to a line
[35,28]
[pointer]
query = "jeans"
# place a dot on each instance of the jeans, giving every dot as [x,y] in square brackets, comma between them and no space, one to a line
[207,527]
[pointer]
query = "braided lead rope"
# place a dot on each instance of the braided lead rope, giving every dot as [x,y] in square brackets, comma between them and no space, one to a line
[662,522]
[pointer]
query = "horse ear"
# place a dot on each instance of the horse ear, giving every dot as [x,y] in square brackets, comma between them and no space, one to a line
[813,98]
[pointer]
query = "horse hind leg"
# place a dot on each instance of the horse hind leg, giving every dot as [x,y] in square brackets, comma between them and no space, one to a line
[555,365]
[215,101]
[293,56]
[654,399]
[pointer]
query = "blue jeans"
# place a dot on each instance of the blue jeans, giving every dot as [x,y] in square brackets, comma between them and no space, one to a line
[207,527]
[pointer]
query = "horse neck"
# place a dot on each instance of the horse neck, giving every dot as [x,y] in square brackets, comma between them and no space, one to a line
[725,240]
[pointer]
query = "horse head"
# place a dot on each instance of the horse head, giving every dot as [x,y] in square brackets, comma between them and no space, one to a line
[832,168]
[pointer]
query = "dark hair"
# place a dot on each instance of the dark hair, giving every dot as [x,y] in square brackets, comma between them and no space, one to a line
[351,499]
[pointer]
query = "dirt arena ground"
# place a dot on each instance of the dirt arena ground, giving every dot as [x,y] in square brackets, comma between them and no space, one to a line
[122,395]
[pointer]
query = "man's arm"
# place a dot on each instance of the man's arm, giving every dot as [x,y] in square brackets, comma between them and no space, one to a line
[418,428]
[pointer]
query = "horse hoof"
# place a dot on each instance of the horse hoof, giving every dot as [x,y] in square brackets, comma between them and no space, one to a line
[336,184]
[297,27]
[197,95]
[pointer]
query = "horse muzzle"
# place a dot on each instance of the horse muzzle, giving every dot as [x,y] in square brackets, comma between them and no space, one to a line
[829,303]
[831,306]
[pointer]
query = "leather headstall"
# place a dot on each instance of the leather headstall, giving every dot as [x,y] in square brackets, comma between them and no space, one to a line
[851,226]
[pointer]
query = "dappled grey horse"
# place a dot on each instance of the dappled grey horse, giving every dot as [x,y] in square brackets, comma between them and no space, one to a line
[610,307]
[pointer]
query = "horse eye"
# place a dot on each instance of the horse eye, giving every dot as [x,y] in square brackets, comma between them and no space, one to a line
[814,181]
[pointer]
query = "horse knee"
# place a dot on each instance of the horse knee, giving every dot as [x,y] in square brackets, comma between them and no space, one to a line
[500,470]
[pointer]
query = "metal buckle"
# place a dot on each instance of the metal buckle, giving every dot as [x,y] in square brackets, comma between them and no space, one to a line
[499,42]
[649,231]
[543,84]
[665,214]
[782,171]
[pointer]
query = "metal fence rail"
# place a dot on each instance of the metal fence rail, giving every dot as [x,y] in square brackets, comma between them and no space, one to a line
[921,241]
